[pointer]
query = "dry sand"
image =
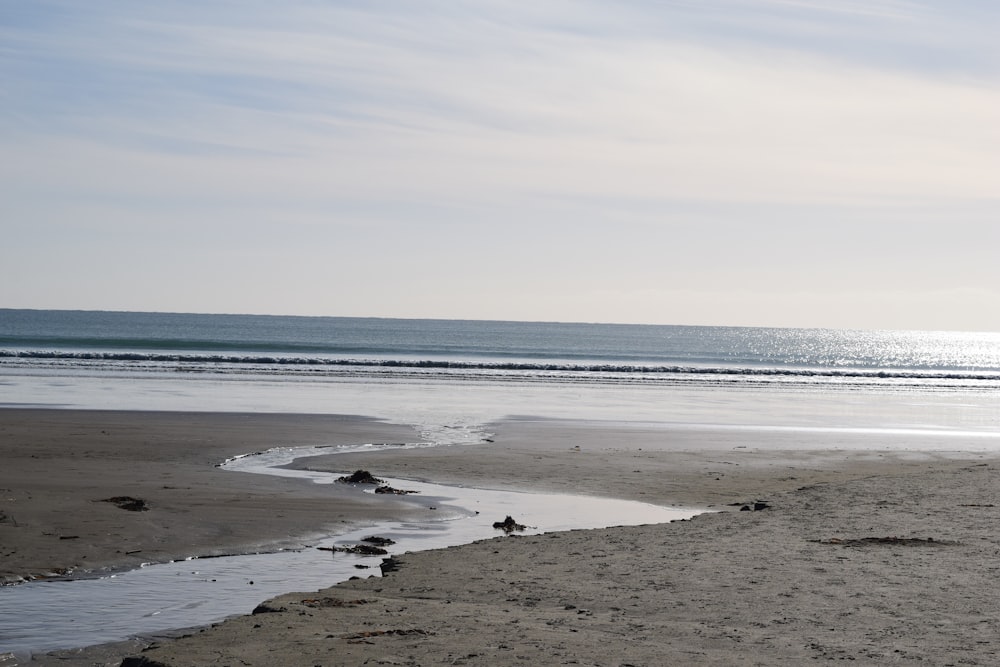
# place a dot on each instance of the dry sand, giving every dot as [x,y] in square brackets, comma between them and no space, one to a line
[869,557]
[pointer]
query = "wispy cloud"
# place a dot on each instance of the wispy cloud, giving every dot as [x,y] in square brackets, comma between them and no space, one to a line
[485,103]
[883,9]
[351,116]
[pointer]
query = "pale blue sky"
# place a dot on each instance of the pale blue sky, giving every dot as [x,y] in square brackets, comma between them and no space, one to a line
[746,162]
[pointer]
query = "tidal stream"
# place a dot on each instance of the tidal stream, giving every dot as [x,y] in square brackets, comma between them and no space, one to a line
[41,616]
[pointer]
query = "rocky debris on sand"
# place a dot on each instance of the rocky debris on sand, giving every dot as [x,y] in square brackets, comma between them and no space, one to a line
[390,564]
[128,503]
[389,489]
[360,477]
[365,477]
[748,506]
[508,525]
[362,550]
[755,507]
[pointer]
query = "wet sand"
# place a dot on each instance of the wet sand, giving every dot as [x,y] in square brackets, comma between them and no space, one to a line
[878,556]
[59,465]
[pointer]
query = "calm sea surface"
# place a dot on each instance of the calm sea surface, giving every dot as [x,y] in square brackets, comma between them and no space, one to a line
[450,376]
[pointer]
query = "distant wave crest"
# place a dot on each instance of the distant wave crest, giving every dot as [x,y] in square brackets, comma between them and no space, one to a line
[223,363]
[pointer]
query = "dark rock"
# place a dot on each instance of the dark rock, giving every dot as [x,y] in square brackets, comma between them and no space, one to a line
[380,541]
[508,525]
[360,477]
[755,507]
[390,564]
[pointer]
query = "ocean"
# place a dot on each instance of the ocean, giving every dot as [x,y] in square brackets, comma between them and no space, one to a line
[452,377]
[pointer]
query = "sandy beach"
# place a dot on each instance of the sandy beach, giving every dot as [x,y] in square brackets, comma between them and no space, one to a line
[884,555]
[59,465]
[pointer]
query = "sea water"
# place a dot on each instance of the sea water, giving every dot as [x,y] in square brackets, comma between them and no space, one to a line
[444,374]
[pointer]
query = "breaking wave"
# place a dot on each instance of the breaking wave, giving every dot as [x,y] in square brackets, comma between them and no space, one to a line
[496,370]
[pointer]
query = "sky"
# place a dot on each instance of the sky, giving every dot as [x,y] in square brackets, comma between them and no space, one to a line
[805,163]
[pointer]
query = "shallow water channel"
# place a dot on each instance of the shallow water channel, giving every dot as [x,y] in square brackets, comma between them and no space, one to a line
[43,616]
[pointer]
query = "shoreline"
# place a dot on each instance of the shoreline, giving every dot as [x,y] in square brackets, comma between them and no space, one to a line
[813,493]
